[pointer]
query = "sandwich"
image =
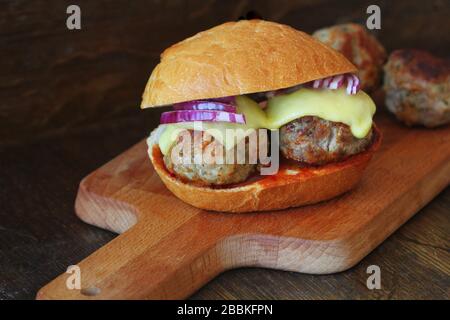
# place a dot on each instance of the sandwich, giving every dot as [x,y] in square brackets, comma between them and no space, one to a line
[264,117]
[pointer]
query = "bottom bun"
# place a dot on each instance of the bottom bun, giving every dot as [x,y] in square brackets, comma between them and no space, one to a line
[294,185]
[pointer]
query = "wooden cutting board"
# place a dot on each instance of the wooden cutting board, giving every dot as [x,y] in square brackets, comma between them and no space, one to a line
[168,249]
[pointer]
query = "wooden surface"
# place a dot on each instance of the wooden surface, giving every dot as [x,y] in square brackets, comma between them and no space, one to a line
[40,235]
[171,249]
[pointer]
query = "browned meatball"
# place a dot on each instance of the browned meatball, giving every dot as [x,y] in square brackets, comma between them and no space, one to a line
[317,141]
[417,86]
[206,173]
[358,46]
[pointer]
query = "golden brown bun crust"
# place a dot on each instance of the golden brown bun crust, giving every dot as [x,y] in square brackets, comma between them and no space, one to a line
[274,192]
[239,58]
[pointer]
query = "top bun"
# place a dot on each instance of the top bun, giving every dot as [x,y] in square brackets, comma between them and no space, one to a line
[237,58]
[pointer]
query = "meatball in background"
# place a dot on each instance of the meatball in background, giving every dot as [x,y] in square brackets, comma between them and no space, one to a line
[417,86]
[358,46]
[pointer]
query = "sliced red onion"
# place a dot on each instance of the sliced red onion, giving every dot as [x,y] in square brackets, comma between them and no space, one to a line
[336,82]
[318,83]
[349,88]
[201,115]
[356,83]
[205,105]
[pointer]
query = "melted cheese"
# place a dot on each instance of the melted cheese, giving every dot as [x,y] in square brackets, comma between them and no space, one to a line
[218,130]
[356,111]
[254,116]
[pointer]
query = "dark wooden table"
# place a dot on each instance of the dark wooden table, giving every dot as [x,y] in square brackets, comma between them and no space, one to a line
[40,234]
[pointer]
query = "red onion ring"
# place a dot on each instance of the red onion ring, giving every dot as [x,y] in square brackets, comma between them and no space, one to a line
[317,83]
[336,82]
[349,88]
[201,115]
[356,83]
[205,105]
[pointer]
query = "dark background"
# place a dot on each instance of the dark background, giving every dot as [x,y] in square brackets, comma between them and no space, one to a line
[69,103]
[52,78]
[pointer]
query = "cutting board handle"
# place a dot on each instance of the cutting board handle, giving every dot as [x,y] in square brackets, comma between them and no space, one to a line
[132,267]
[157,256]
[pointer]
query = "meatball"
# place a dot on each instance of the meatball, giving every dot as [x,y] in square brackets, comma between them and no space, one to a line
[417,86]
[204,173]
[316,141]
[358,46]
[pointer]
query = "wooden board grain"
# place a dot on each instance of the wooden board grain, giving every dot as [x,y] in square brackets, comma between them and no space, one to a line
[169,249]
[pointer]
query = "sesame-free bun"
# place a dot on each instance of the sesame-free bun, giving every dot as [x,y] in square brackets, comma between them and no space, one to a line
[237,58]
[292,186]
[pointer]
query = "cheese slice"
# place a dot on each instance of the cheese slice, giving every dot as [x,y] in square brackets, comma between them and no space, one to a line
[219,130]
[356,111]
[254,116]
